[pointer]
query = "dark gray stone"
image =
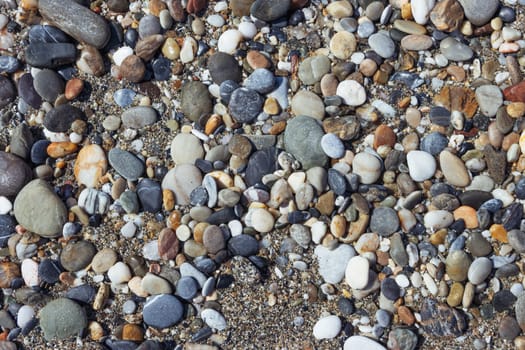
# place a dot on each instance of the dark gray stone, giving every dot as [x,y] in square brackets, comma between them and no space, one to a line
[245,105]
[434,143]
[195,100]
[21,141]
[261,163]
[126,164]
[48,84]
[243,245]
[59,119]
[9,64]
[14,174]
[224,67]
[7,229]
[50,55]
[7,91]
[47,34]
[261,80]
[384,221]
[27,91]
[187,287]
[150,195]
[269,10]
[76,20]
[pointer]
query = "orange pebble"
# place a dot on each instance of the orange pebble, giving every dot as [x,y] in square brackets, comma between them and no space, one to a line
[499,233]
[384,136]
[132,332]
[61,149]
[468,214]
[198,231]
[73,88]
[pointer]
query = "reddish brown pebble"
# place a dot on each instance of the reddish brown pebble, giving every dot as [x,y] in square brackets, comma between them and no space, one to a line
[74,88]
[256,60]
[405,315]
[195,6]
[384,136]
[168,244]
[515,93]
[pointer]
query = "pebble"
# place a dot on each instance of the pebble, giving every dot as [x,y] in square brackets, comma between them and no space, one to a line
[332,146]
[490,99]
[457,265]
[362,342]
[15,174]
[455,50]
[352,93]
[269,10]
[62,318]
[261,80]
[357,272]
[441,320]
[94,201]
[343,44]
[312,69]
[77,21]
[243,245]
[91,164]
[302,138]
[182,180]
[454,169]
[29,270]
[332,263]
[119,273]
[382,44]
[479,13]
[509,328]
[39,209]
[155,285]
[309,104]
[384,221]
[214,319]
[327,327]
[162,311]
[421,10]
[7,91]
[60,118]
[229,41]
[245,105]
[50,55]
[479,270]
[421,165]
[367,166]
[186,149]
[222,67]
[48,84]
[75,256]
[138,117]
[103,260]
[520,310]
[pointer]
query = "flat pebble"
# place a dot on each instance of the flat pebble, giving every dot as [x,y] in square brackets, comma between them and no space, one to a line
[327,327]
[356,273]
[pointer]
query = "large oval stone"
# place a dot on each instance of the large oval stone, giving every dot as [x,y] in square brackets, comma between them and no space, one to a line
[14,174]
[302,138]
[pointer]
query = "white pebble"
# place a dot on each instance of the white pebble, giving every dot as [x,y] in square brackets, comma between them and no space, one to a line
[516,289]
[25,314]
[356,273]
[215,21]
[187,52]
[5,205]
[402,281]
[438,219]
[318,231]
[128,230]
[327,327]
[235,227]
[503,196]
[421,165]
[29,271]
[430,284]
[213,319]
[229,40]
[247,29]
[352,93]
[121,54]
[119,273]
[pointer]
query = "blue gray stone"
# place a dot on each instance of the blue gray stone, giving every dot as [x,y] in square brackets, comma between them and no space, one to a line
[126,164]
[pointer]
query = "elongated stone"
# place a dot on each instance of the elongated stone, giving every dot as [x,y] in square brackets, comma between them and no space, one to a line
[77,21]
[50,55]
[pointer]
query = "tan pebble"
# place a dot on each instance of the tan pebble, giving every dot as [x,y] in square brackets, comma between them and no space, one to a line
[343,44]
[132,332]
[410,142]
[61,149]
[468,214]
[406,11]
[91,164]
[168,199]
[135,286]
[495,135]
[454,169]
[119,186]
[96,332]
[271,106]
[468,295]
[413,117]
[516,109]
[198,231]
[329,85]
[519,342]
[338,226]
[132,69]
[212,124]
[101,297]
[405,315]
[223,180]
[368,67]
[509,140]
[455,295]
[73,88]
[171,49]
[457,73]
[340,9]
[82,216]
[277,127]
[438,237]
[155,6]
[509,47]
